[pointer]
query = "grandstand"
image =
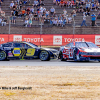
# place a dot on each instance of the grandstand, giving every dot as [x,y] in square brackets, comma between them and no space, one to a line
[19,27]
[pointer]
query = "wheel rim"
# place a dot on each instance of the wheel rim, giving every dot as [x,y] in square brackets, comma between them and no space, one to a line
[2,55]
[44,55]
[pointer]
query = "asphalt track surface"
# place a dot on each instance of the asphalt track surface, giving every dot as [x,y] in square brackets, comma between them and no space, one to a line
[37,62]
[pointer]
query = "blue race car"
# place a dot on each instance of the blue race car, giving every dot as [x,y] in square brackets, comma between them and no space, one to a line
[26,50]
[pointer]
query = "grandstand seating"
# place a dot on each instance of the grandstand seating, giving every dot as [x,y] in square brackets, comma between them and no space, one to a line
[48,5]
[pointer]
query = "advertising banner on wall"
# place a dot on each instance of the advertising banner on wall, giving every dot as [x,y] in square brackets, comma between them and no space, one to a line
[49,40]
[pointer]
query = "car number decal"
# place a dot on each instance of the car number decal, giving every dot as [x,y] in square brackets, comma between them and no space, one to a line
[71,53]
[30,52]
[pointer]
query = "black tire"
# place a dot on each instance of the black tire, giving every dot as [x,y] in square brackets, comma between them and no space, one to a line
[74,56]
[2,55]
[44,56]
[61,57]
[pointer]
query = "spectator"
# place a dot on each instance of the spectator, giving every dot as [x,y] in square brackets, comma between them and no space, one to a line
[2,13]
[88,12]
[25,1]
[28,10]
[69,19]
[42,2]
[52,11]
[64,12]
[84,20]
[73,14]
[88,6]
[11,4]
[47,13]
[35,16]
[36,3]
[51,20]
[11,19]
[93,6]
[26,22]
[60,22]
[0,20]
[4,21]
[54,22]
[80,9]
[61,3]
[14,19]
[82,2]
[54,2]
[32,10]
[98,17]
[97,5]
[0,3]
[30,22]
[65,3]
[93,19]
[20,5]
[57,2]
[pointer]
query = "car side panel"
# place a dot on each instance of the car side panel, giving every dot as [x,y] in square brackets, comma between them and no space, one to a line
[23,53]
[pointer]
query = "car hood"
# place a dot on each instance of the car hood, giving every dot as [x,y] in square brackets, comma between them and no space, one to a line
[91,49]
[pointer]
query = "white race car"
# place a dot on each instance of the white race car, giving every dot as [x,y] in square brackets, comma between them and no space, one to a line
[79,51]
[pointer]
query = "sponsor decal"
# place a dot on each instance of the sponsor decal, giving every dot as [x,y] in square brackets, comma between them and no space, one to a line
[16,51]
[97,40]
[17,38]
[10,54]
[57,40]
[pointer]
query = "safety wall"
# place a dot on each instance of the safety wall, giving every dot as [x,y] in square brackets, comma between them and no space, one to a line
[49,40]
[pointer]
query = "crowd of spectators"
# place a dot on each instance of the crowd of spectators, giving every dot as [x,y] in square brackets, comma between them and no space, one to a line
[81,6]
[37,12]
[3,19]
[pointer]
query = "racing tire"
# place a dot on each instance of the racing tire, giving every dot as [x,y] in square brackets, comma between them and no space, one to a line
[44,56]
[74,56]
[2,56]
[61,58]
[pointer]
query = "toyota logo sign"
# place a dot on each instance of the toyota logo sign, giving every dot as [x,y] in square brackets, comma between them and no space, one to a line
[57,40]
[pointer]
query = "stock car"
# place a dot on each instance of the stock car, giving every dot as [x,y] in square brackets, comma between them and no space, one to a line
[79,51]
[26,50]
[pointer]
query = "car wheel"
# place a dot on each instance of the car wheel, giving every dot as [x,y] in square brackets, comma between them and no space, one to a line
[2,55]
[44,56]
[61,58]
[74,56]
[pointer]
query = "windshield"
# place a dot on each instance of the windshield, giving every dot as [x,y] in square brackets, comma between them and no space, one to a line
[90,44]
[32,45]
[81,44]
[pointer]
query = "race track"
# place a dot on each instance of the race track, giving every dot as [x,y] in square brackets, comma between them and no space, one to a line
[37,62]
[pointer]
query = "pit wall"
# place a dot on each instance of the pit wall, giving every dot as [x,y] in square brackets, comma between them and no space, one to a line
[49,40]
